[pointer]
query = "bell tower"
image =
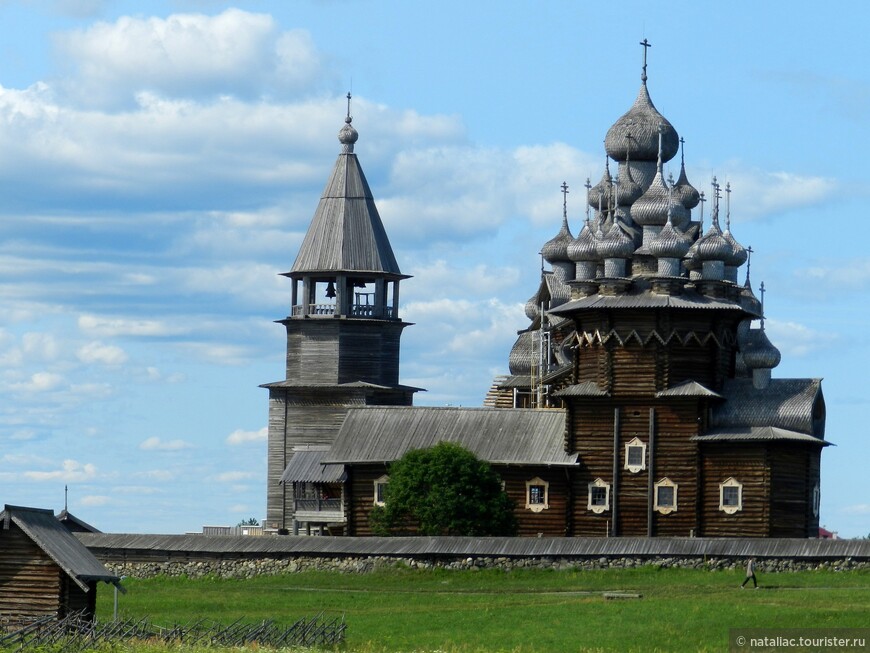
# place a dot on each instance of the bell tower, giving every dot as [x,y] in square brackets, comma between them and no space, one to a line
[343,330]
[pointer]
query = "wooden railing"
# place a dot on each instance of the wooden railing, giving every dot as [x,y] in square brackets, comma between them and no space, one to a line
[328,310]
[318,505]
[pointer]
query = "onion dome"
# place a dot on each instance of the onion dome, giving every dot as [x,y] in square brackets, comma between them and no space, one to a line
[652,207]
[760,354]
[712,246]
[347,135]
[556,249]
[683,190]
[669,243]
[615,244]
[602,192]
[638,129]
[629,190]
[533,308]
[583,247]
[738,254]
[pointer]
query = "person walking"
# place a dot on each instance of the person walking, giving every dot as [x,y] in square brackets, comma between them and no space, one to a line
[750,574]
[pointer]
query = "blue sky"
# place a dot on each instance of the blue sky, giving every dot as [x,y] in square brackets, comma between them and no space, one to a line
[160,161]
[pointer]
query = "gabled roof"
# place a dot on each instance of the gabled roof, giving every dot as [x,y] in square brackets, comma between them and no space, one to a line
[346,233]
[74,524]
[306,466]
[509,436]
[51,536]
[643,298]
[785,403]
[688,389]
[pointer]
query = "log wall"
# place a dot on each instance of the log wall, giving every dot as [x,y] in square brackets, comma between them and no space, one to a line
[30,581]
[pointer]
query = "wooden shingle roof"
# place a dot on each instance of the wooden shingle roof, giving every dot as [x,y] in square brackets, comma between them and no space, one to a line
[58,543]
[497,435]
[306,466]
[785,403]
[346,233]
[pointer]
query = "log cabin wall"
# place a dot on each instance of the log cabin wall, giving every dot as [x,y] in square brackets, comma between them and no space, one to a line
[329,351]
[747,463]
[30,581]
[794,475]
[549,522]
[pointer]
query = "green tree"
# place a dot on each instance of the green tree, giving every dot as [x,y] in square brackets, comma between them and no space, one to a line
[444,490]
[250,521]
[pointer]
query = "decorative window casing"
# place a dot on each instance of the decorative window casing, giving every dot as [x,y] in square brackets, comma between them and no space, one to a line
[665,497]
[817,498]
[537,495]
[599,496]
[635,456]
[731,496]
[381,489]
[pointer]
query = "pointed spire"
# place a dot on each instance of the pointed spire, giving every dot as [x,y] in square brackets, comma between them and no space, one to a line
[762,290]
[588,187]
[701,199]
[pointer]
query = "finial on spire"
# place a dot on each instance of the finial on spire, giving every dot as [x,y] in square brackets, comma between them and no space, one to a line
[749,251]
[761,288]
[728,205]
[565,201]
[702,200]
[646,45]
[715,185]
[65,496]
[682,151]
[349,117]
[588,187]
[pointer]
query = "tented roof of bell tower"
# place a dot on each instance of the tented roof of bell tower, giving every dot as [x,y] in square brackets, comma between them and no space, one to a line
[346,233]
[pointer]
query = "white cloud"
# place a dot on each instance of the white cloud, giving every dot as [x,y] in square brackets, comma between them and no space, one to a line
[759,193]
[97,352]
[95,500]
[243,437]
[39,382]
[71,471]
[112,327]
[189,55]
[156,444]
[794,339]
[856,509]
[230,477]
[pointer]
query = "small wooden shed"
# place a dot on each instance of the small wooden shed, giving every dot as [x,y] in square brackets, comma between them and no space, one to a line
[44,569]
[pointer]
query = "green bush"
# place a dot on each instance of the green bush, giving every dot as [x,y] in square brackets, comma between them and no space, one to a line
[444,490]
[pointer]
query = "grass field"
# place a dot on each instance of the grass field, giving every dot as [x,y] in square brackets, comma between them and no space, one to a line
[522,611]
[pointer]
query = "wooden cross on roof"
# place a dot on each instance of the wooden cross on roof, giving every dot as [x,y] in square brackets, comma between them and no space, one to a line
[646,45]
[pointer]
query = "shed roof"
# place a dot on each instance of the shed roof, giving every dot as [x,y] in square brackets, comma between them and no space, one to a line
[757,433]
[51,536]
[306,466]
[505,436]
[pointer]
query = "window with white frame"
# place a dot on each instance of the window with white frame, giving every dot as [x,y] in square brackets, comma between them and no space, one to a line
[635,456]
[731,496]
[537,495]
[381,490]
[665,498]
[817,496]
[599,496]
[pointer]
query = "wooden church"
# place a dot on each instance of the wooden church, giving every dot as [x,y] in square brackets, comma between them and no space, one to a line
[640,400]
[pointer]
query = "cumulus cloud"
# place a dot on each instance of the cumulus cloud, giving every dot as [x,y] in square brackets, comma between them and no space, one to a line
[240,436]
[231,477]
[71,471]
[95,500]
[156,444]
[39,382]
[188,55]
[112,327]
[97,352]
[794,339]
